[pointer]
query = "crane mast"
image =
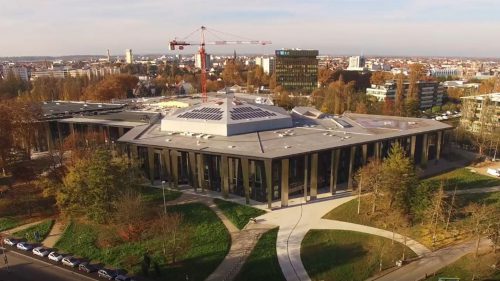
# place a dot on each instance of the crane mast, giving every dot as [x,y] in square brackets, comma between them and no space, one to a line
[203,55]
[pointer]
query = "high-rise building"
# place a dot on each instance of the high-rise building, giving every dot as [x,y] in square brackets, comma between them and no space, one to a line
[267,64]
[129,57]
[297,70]
[197,61]
[357,63]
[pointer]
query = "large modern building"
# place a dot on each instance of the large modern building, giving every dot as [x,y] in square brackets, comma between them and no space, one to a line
[297,70]
[129,57]
[256,151]
[429,93]
[197,61]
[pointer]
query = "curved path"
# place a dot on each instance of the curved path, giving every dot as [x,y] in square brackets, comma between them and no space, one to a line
[21,227]
[242,241]
[295,222]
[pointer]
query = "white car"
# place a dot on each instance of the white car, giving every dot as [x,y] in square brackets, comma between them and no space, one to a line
[11,241]
[41,251]
[493,172]
[71,261]
[25,246]
[55,256]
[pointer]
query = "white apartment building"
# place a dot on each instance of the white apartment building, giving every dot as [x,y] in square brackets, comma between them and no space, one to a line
[267,63]
[429,93]
[129,57]
[473,108]
[357,63]
[197,61]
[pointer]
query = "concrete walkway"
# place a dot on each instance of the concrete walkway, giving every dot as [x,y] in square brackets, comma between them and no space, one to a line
[476,190]
[242,241]
[21,227]
[432,262]
[416,247]
[295,222]
[54,234]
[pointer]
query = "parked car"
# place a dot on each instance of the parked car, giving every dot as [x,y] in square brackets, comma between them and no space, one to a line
[25,246]
[122,277]
[71,261]
[55,256]
[107,273]
[41,251]
[87,267]
[493,172]
[11,241]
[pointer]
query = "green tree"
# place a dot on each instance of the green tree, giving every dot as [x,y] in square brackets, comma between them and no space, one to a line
[398,178]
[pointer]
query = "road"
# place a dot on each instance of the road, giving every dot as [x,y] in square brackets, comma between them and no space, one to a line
[25,268]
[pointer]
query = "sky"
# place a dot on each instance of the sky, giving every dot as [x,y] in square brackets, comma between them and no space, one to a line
[338,27]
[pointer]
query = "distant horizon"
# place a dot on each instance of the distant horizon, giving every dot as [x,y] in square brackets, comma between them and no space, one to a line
[246,54]
[409,28]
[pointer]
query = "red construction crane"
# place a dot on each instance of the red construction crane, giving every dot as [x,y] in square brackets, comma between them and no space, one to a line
[181,43]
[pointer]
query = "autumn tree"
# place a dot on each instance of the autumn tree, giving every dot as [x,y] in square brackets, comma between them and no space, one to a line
[111,87]
[400,94]
[131,214]
[325,76]
[232,73]
[92,185]
[173,235]
[380,77]
[6,135]
[489,86]
[480,220]
[370,176]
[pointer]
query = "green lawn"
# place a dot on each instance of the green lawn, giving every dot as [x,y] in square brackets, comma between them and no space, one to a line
[464,179]
[421,233]
[346,255]
[209,238]
[262,264]
[155,195]
[43,229]
[238,214]
[465,266]
[8,223]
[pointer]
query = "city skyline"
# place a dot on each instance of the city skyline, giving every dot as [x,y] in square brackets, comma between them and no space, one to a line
[387,28]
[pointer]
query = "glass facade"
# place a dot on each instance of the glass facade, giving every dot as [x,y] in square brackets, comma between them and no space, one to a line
[297,70]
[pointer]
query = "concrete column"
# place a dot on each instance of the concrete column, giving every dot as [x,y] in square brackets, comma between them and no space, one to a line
[378,152]
[225,176]
[166,166]
[268,167]
[285,166]
[151,164]
[108,135]
[192,170]
[351,168]
[201,171]
[59,134]
[101,132]
[306,175]
[231,174]
[364,148]
[336,170]
[425,150]
[71,128]
[413,143]
[120,132]
[314,176]
[174,159]
[246,178]
[438,144]
[333,171]
[48,134]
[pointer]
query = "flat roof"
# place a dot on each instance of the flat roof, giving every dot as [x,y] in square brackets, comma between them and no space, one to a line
[307,135]
[62,109]
[118,119]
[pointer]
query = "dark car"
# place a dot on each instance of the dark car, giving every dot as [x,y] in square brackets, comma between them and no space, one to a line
[106,273]
[87,267]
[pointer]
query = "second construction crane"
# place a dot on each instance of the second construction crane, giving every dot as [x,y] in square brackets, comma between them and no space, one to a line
[181,43]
